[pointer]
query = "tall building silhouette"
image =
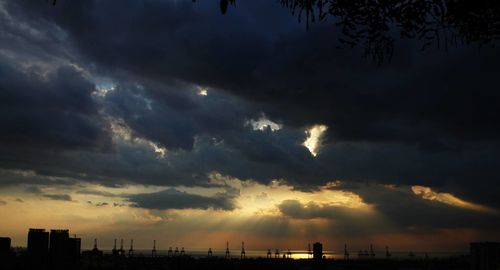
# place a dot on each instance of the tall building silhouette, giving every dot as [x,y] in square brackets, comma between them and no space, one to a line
[74,247]
[317,251]
[4,245]
[58,242]
[64,251]
[38,242]
[6,255]
[38,249]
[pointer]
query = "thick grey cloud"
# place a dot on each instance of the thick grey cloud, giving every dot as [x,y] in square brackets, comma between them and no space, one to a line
[55,112]
[96,192]
[396,209]
[34,190]
[175,199]
[407,211]
[39,192]
[311,210]
[58,197]
[418,97]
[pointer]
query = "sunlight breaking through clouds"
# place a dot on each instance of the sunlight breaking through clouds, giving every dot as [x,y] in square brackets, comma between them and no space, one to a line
[313,141]
[202,91]
[263,123]
[102,89]
[122,131]
[256,198]
[428,194]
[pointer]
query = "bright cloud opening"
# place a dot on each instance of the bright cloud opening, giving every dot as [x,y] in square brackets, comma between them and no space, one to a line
[313,141]
[102,89]
[202,91]
[122,131]
[263,123]
[428,194]
[256,198]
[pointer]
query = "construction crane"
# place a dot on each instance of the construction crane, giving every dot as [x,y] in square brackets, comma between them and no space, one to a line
[243,253]
[131,250]
[153,252]
[346,253]
[228,254]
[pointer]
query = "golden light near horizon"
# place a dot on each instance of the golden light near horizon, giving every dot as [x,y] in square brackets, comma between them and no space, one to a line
[313,141]
[98,208]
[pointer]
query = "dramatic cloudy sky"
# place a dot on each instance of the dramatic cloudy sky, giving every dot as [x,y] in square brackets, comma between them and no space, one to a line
[166,120]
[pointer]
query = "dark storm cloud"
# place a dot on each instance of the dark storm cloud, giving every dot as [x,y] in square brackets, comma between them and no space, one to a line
[55,111]
[300,73]
[31,160]
[468,173]
[425,118]
[175,199]
[217,122]
[37,191]
[397,209]
[406,210]
[173,115]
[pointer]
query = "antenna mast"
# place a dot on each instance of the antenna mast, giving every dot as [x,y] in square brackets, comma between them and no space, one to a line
[153,252]
[243,253]
[228,254]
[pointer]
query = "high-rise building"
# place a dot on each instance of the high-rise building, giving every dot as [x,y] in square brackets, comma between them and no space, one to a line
[38,249]
[6,254]
[74,247]
[4,245]
[485,256]
[59,243]
[38,242]
[64,251]
[317,251]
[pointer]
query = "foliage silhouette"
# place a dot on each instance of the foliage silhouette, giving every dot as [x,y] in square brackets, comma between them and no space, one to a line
[375,25]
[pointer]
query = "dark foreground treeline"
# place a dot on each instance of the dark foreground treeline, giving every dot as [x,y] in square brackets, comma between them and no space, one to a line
[159,263]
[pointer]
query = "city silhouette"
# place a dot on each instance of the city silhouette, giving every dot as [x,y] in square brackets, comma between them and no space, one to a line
[57,250]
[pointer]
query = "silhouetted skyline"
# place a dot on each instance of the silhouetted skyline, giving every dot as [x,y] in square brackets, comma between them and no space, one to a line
[59,251]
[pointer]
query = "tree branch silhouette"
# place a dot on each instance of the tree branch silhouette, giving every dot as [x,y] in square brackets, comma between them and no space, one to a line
[375,25]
